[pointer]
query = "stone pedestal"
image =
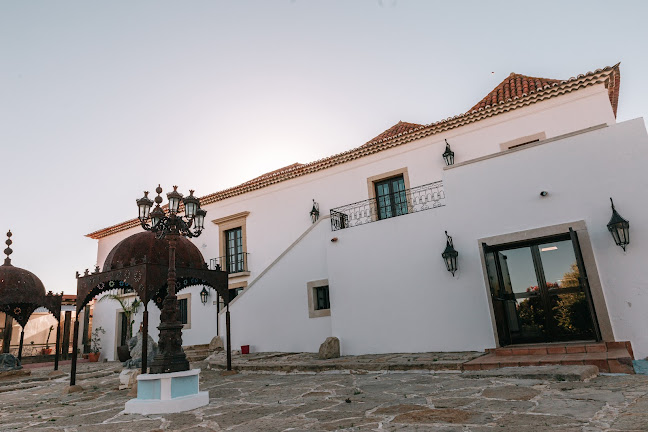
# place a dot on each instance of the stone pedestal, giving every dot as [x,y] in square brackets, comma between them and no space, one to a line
[128,378]
[167,393]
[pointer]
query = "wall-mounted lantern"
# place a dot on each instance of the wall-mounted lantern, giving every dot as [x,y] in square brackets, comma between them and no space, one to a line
[203,295]
[619,228]
[448,155]
[450,255]
[314,213]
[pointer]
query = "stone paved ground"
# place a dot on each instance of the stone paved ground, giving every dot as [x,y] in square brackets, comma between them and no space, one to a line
[387,401]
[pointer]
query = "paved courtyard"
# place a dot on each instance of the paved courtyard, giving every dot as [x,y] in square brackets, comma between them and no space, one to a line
[377,401]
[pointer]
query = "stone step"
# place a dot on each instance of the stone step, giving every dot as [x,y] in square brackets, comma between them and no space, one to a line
[615,360]
[566,348]
[196,347]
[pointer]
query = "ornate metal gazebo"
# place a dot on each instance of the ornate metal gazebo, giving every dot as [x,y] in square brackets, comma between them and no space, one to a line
[21,293]
[141,263]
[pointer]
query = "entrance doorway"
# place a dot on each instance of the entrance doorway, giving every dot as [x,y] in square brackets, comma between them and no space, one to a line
[540,292]
[123,329]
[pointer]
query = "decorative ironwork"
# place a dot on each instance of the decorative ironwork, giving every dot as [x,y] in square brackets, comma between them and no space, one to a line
[418,199]
[234,263]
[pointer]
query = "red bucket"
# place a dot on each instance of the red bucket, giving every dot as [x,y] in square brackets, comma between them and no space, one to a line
[245,349]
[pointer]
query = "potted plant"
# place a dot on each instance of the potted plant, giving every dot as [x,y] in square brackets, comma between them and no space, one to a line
[47,350]
[129,308]
[95,344]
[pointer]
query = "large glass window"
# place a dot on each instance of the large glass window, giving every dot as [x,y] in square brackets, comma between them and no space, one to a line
[391,197]
[234,256]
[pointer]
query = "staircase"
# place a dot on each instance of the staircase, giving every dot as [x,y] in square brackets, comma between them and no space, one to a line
[196,353]
[615,357]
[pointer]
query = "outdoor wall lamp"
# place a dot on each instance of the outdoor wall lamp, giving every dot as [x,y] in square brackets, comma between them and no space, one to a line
[448,155]
[314,213]
[619,228]
[450,255]
[203,296]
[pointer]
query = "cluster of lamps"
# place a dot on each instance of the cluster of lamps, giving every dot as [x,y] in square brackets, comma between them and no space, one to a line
[195,216]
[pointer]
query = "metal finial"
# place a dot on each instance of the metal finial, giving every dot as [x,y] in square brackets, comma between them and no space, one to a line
[8,251]
[158,198]
[612,202]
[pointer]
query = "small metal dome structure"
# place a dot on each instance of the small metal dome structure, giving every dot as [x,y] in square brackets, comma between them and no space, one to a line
[146,246]
[141,263]
[21,293]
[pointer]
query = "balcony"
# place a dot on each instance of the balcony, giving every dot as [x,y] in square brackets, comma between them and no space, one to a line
[232,264]
[400,203]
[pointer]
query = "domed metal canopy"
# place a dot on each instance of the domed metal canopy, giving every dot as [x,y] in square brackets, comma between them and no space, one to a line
[22,292]
[144,247]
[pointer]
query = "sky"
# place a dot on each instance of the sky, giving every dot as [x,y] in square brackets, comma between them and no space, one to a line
[100,100]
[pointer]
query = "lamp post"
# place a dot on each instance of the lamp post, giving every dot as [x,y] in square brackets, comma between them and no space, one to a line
[170,225]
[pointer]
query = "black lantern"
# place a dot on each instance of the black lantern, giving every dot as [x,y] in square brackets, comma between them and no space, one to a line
[448,155]
[191,204]
[203,295]
[156,215]
[174,198]
[314,213]
[450,255]
[144,204]
[619,228]
[199,219]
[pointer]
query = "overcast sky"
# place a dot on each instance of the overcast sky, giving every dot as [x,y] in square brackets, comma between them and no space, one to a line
[100,100]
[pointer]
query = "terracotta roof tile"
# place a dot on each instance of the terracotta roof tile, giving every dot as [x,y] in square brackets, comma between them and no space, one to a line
[538,92]
[398,129]
[514,85]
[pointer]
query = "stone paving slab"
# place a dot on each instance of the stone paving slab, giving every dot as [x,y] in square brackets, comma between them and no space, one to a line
[367,401]
[308,362]
[554,373]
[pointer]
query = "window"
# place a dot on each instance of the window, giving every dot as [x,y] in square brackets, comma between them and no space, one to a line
[322,298]
[391,198]
[232,244]
[183,315]
[319,304]
[234,256]
[233,292]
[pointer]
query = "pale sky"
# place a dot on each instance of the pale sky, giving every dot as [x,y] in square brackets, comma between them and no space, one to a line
[100,100]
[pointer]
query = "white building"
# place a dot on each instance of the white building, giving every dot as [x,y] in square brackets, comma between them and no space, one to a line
[534,159]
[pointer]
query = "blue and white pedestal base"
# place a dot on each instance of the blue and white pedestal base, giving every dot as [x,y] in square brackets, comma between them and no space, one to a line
[167,393]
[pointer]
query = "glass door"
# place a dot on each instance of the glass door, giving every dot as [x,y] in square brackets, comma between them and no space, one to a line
[539,292]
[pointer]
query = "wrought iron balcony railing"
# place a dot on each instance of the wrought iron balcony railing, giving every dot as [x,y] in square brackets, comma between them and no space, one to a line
[232,263]
[412,200]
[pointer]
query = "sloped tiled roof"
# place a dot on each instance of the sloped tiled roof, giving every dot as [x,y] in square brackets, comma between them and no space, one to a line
[514,85]
[608,76]
[272,173]
[399,128]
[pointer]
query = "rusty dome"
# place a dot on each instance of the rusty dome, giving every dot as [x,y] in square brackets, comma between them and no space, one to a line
[145,246]
[18,285]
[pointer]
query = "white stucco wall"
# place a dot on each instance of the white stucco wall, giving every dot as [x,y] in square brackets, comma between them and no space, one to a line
[272,314]
[390,291]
